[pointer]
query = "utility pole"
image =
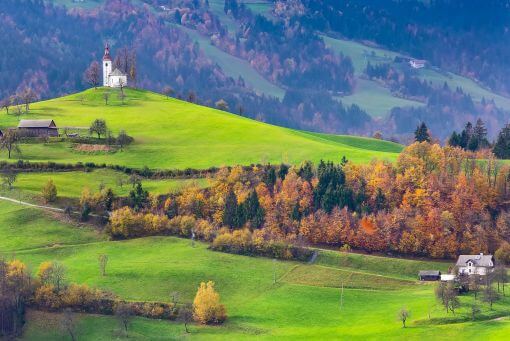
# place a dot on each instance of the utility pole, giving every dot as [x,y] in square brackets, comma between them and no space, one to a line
[274,271]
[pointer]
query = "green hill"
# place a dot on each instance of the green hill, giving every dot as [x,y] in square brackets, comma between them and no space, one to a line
[170,133]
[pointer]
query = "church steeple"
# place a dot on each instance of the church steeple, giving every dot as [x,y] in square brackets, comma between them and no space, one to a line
[107,65]
[107,52]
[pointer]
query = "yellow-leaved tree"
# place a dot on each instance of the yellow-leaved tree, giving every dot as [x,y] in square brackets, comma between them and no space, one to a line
[207,308]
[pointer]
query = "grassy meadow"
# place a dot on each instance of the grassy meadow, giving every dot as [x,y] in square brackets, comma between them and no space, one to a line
[71,184]
[303,304]
[170,133]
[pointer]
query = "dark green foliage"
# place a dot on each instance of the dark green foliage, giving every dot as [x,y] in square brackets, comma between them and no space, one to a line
[470,138]
[85,212]
[380,200]
[237,215]
[502,146]
[269,177]
[330,191]
[421,134]
[109,198]
[306,171]
[230,212]
[282,171]
[138,197]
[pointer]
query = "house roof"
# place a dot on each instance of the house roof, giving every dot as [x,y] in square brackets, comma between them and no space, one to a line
[117,72]
[478,260]
[429,273]
[36,124]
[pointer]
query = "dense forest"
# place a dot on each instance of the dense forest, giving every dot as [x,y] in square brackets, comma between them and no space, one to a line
[434,201]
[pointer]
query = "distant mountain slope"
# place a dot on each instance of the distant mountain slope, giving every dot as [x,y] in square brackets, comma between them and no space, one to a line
[170,133]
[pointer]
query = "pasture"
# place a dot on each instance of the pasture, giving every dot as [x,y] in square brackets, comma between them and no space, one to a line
[303,304]
[173,134]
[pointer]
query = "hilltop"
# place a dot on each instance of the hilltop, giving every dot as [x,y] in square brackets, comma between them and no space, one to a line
[170,133]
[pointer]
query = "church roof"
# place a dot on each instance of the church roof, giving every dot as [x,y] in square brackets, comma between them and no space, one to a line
[36,124]
[117,72]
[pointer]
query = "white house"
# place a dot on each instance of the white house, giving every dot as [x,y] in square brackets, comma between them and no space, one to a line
[475,264]
[417,63]
[115,78]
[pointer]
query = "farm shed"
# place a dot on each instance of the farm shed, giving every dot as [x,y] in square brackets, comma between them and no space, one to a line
[429,275]
[37,128]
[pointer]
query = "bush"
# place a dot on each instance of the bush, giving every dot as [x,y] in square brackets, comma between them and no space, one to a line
[49,192]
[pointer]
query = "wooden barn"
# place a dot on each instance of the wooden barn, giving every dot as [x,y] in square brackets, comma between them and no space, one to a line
[37,128]
[429,275]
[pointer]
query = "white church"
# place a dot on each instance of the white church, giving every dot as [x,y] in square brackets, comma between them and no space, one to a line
[115,79]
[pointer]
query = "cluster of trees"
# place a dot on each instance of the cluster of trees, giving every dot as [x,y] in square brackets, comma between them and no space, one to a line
[433,201]
[471,138]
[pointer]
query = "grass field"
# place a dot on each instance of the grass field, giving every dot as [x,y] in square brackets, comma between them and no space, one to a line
[304,304]
[170,133]
[71,184]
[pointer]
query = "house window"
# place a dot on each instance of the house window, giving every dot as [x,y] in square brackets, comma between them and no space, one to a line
[470,270]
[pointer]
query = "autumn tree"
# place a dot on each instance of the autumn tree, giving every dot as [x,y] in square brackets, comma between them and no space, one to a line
[502,254]
[10,142]
[52,273]
[207,308]
[49,192]
[92,74]
[98,127]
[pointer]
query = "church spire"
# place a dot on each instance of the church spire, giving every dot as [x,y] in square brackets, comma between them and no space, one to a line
[107,52]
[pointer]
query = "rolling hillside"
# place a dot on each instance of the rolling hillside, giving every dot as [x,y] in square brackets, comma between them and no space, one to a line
[170,133]
[304,303]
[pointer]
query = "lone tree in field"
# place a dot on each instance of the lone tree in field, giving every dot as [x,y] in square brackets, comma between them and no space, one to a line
[186,315]
[207,308]
[168,91]
[28,95]
[98,127]
[124,314]
[49,192]
[9,142]
[403,315]
[8,178]
[421,134]
[93,74]
[103,262]
[68,323]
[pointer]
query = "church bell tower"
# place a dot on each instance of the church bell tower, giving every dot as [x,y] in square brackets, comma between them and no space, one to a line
[107,65]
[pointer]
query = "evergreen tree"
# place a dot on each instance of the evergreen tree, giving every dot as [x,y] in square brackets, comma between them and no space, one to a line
[306,171]
[269,177]
[138,197]
[283,171]
[230,210]
[380,200]
[502,146]
[454,140]
[422,133]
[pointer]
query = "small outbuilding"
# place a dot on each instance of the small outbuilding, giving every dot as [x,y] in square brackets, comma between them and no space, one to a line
[37,128]
[429,275]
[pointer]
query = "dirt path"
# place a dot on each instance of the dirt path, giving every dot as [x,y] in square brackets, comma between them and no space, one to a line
[24,203]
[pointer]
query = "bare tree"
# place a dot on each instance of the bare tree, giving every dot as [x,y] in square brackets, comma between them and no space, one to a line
[132,72]
[500,275]
[10,142]
[68,323]
[403,315]
[103,262]
[93,74]
[124,314]
[489,295]
[475,310]
[168,91]
[123,139]
[186,315]
[28,95]
[5,104]
[447,294]
[474,284]
[122,95]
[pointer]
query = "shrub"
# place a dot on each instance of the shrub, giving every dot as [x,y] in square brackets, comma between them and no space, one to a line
[49,192]
[46,297]
[207,308]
